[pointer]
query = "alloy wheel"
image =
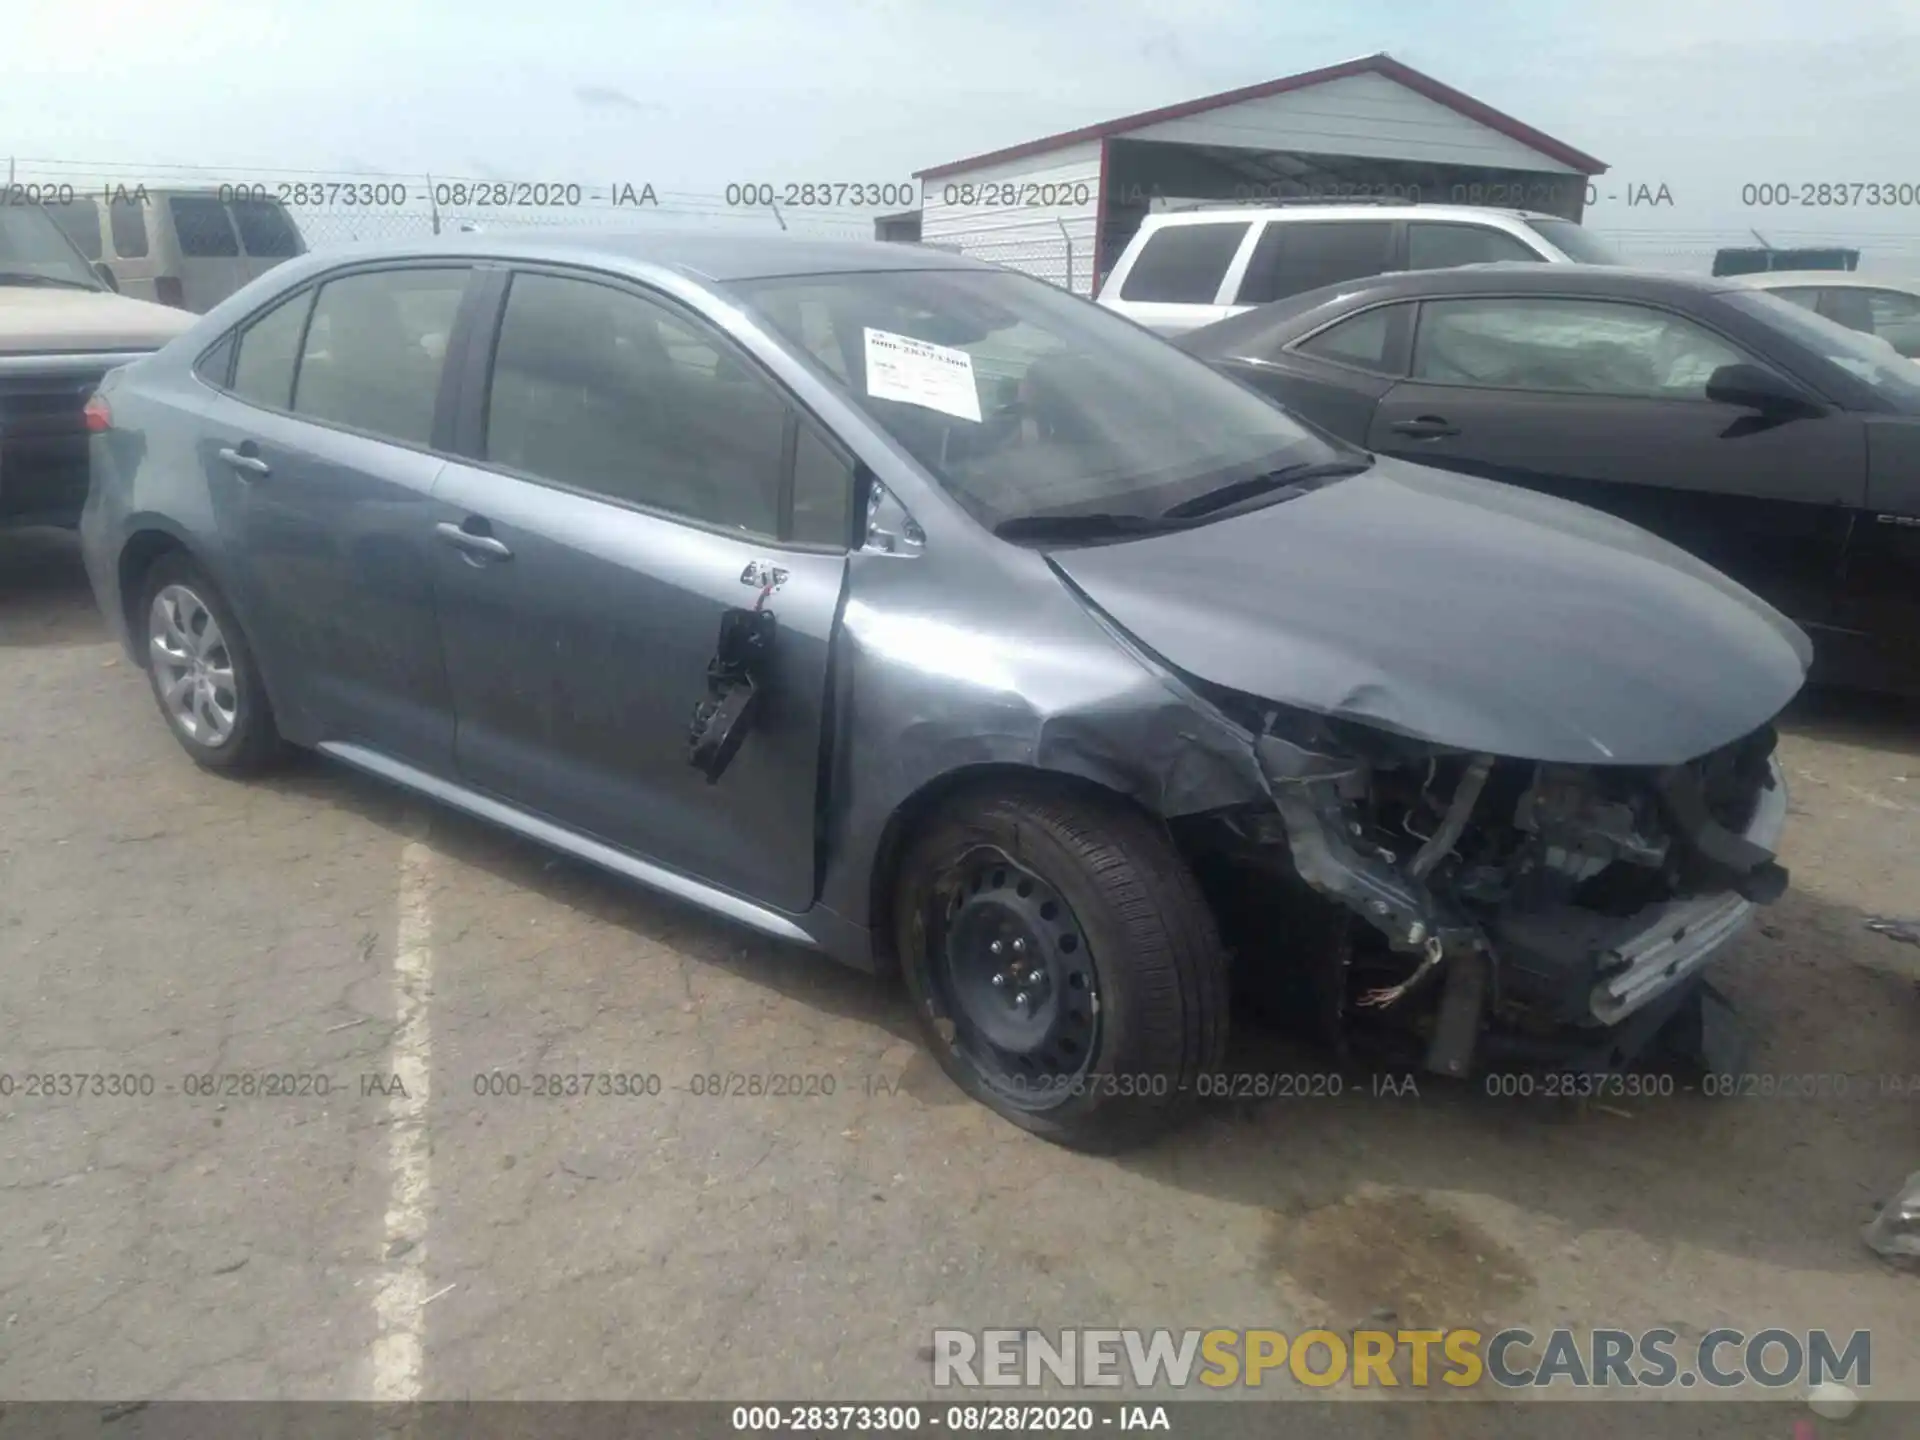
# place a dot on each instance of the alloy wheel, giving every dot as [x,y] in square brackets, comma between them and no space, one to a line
[192,666]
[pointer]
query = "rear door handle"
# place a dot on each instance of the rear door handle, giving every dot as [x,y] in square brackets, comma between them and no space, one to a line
[250,464]
[470,542]
[1425,427]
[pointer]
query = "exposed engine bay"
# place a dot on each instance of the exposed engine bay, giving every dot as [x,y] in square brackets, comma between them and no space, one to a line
[1473,901]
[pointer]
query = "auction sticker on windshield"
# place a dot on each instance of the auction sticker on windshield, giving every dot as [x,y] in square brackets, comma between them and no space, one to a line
[917,372]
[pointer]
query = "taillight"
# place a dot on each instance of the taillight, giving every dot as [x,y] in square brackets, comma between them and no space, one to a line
[98,413]
[169,291]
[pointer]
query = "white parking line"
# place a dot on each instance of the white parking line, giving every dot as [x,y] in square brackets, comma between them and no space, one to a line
[402,1289]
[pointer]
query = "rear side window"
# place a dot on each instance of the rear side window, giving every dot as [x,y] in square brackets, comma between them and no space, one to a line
[1372,341]
[1806,297]
[265,229]
[374,351]
[1184,264]
[80,220]
[263,371]
[1293,256]
[202,225]
[1441,247]
[128,221]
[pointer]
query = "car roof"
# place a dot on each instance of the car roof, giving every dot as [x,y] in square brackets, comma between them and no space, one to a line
[1843,279]
[1525,276]
[714,255]
[1363,211]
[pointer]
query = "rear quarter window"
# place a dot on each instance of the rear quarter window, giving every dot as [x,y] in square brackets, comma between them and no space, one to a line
[265,229]
[201,223]
[1184,264]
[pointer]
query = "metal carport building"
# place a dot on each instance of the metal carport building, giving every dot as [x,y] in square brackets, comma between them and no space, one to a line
[1064,207]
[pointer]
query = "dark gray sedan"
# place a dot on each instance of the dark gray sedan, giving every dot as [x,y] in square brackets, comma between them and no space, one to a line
[1778,446]
[917,611]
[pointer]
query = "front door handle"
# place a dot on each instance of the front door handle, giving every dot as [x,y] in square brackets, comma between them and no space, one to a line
[244,462]
[470,543]
[1425,427]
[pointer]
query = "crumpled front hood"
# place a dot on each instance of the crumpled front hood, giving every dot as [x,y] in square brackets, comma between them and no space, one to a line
[1460,611]
[60,321]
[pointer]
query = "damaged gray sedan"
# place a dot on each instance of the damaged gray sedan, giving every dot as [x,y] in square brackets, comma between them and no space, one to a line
[921,613]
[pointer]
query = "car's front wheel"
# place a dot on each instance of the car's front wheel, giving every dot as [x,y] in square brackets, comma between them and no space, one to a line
[202,672]
[1064,965]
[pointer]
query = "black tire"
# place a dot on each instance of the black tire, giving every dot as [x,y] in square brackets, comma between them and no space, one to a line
[253,744]
[1152,958]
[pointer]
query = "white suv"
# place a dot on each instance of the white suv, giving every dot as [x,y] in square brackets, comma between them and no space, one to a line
[1185,269]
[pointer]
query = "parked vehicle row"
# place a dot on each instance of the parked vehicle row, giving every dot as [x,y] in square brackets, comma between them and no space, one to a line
[61,329]
[189,248]
[922,613]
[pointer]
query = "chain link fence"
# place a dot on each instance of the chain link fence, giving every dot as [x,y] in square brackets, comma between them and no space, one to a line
[334,208]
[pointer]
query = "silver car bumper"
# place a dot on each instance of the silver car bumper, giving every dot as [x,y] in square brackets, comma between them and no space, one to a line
[1680,937]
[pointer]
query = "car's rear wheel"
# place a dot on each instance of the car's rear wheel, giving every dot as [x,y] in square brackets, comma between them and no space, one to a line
[1064,965]
[202,672]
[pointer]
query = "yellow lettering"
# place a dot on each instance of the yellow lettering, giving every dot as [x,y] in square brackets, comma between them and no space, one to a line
[1336,1363]
[1216,1348]
[1266,1350]
[1420,1340]
[1373,1351]
[1463,1349]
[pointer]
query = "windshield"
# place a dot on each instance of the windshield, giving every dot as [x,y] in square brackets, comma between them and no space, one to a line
[1023,400]
[31,243]
[1578,243]
[1867,358]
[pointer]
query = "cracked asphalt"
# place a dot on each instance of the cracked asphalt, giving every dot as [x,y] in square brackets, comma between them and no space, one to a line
[348,1240]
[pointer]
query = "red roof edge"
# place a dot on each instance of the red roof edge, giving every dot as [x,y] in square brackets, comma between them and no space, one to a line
[1381,64]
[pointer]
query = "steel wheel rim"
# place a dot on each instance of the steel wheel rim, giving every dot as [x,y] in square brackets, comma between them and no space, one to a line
[192,666]
[1033,1032]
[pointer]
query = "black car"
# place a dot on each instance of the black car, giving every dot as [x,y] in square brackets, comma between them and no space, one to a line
[1782,449]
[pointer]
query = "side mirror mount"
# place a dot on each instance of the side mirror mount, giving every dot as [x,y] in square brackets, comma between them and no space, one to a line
[1753,388]
[107,277]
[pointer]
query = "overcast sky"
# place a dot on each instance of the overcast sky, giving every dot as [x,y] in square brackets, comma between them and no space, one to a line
[1701,95]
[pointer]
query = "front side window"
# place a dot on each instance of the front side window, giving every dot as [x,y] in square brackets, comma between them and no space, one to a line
[1295,256]
[1184,264]
[269,347]
[1441,247]
[203,227]
[374,351]
[604,391]
[80,220]
[1025,401]
[1576,346]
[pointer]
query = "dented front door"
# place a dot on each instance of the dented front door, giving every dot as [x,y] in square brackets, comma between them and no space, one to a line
[578,650]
